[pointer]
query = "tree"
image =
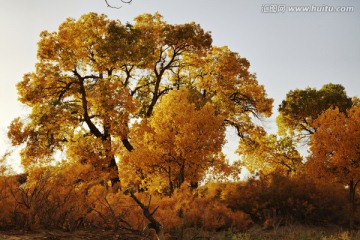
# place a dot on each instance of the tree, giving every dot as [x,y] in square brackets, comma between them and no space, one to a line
[267,153]
[95,76]
[301,107]
[5,169]
[335,149]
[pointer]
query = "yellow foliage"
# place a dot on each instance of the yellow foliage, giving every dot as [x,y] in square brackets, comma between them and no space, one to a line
[174,145]
[335,145]
[268,153]
[95,77]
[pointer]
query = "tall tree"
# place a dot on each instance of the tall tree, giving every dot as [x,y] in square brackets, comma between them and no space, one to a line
[301,107]
[95,75]
[335,149]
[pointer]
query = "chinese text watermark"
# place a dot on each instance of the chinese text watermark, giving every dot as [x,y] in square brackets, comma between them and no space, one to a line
[282,8]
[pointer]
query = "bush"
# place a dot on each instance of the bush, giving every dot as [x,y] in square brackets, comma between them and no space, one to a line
[275,200]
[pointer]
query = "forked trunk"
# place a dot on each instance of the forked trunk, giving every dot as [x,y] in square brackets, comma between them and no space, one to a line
[154,224]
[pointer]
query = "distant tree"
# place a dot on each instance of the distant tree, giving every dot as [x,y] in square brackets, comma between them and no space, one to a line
[301,107]
[268,153]
[335,150]
[356,101]
[5,168]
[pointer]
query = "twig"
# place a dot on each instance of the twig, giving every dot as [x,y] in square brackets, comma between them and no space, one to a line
[123,1]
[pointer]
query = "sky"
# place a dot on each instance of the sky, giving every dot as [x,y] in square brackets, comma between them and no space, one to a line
[319,44]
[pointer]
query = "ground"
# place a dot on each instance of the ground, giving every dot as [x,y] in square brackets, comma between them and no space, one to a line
[292,232]
[55,235]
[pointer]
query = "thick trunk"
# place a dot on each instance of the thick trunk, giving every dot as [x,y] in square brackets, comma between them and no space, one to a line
[112,166]
[105,135]
[179,178]
[114,172]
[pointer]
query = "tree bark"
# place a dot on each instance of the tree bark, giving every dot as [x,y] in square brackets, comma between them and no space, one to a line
[154,224]
[352,200]
[105,137]
[127,144]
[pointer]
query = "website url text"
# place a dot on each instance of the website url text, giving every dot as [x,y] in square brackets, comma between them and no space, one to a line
[282,8]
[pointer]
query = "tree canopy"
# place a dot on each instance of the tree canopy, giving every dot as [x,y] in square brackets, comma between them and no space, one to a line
[301,107]
[95,77]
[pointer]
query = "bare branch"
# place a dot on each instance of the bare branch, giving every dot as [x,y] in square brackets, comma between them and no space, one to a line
[123,1]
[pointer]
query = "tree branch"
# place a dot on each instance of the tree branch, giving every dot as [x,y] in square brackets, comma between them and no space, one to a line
[154,224]
[93,129]
[123,1]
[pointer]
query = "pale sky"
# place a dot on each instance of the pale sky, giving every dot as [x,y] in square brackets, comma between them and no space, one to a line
[287,50]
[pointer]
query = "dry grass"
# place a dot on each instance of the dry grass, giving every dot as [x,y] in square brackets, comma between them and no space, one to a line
[298,232]
[293,232]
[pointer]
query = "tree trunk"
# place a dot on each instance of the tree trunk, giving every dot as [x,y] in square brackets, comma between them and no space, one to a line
[106,137]
[112,166]
[154,224]
[114,172]
[352,200]
[180,179]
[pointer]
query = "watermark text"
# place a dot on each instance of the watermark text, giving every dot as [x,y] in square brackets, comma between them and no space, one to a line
[283,8]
